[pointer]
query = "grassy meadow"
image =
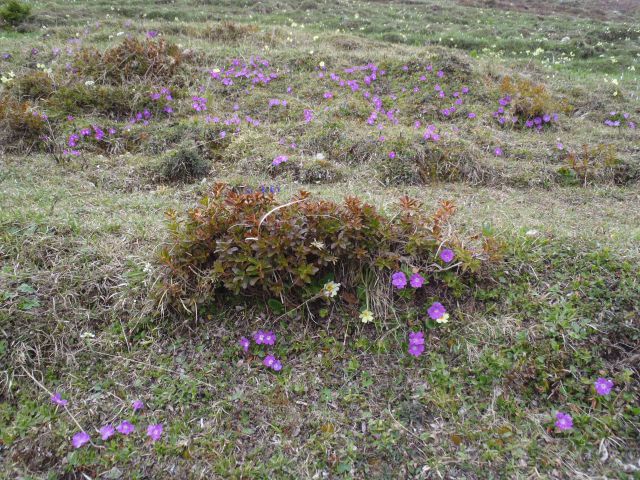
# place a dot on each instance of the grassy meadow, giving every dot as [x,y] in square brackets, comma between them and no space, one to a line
[114,113]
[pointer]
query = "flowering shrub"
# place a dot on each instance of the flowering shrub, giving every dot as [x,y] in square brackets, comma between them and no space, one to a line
[527,104]
[247,243]
[132,60]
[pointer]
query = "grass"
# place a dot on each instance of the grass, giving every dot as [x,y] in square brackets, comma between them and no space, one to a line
[79,239]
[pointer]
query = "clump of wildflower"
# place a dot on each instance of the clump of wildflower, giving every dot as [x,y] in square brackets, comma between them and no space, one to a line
[154,432]
[430,134]
[199,104]
[272,362]
[399,280]
[330,289]
[416,343]
[366,316]
[603,386]
[57,399]
[80,439]
[563,421]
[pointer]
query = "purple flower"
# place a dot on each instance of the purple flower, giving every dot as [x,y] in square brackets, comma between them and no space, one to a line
[328,95]
[57,399]
[563,421]
[152,34]
[244,343]
[416,343]
[269,361]
[308,115]
[447,255]
[416,280]
[80,439]
[199,104]
[137,405]
[436,311]
[279,159]
[107,432]
[154,432]
[560,146]
[472,115]
[125,428]
[416,350]
[498,152]
[416,338]
[259,337]
[603,386]
[269,338]
[277,365]
[392,154]
[399,280]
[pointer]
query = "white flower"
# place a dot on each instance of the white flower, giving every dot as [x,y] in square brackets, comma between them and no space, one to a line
[443,319]
[318,244]
[366,316]
[330,289]
[89,83]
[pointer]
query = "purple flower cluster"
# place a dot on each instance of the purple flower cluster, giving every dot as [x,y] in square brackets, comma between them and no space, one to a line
[399,280]
[86,134]
[616,119]
[256,71]
[503,116]
[272,362]
[262,337]
[263,189]
[80,439]
[199,104]
[416,343]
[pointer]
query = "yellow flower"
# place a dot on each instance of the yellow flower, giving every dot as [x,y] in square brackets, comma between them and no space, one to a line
[330,289]
[443,319]
[366,316]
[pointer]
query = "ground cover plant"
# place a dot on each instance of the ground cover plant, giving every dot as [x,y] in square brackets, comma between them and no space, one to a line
[329,239]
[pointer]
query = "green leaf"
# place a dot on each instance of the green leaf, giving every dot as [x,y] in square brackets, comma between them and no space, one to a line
[26,288]
[276,306]
[28,304]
